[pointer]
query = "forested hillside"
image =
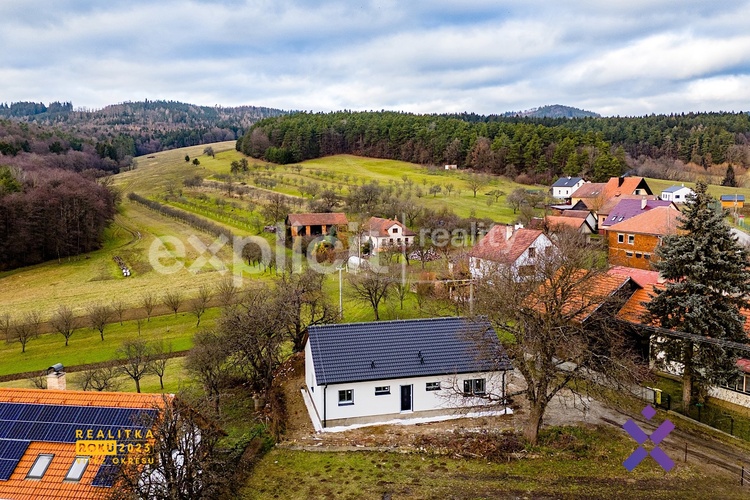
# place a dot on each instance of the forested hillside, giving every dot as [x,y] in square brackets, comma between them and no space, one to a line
[538,148]
[144,127]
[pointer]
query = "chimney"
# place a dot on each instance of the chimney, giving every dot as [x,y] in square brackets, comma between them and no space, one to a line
[56,377]
[508,232]
[644,202]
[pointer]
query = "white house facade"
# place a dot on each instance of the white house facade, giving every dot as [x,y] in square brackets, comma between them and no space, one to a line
[383,233]
[676,194]
[375,372]
[565,186]
[518,248]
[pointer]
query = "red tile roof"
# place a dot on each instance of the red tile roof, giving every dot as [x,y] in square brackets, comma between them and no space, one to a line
[495,247]
[380,227]
[559,220]
[317,219]
[642,277]
[589,190]
[659,221]
[614,187]
[588,295]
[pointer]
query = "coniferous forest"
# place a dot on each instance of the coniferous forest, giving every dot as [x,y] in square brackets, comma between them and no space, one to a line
[539,148]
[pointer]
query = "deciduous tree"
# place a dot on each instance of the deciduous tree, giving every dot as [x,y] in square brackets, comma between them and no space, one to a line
[64,322]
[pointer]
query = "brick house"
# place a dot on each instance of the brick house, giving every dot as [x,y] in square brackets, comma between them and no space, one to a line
[633,242]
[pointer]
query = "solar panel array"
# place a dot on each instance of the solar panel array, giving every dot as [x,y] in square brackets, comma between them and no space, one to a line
[22,423]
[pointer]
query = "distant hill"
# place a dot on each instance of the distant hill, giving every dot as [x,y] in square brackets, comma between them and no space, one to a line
[153,125]
[554,111]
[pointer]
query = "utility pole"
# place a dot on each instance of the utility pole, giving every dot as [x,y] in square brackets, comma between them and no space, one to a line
[341,295]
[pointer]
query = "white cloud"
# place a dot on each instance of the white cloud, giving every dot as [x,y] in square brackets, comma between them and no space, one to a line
[426,56]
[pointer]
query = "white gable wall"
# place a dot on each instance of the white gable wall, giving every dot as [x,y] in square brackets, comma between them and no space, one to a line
[482,267]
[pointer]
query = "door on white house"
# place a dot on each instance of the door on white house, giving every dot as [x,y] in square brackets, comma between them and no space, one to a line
[406,399]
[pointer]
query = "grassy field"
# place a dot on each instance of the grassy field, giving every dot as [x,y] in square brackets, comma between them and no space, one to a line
[576,463]
[85,345]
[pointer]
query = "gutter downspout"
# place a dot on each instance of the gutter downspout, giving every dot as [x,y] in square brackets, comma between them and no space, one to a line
[325,405]
[504,401]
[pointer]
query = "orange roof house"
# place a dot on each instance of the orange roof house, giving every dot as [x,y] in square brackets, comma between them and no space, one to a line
[384,233]
[51,441]
[507,245]
[596,195]
[633,242]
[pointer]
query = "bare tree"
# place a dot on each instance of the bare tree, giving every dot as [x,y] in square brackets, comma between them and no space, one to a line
[118,307]
[99,379]
[305,303]
[136,356]
[160,358]
[371,287]
[39,380]
[148,300]
[477,182]
[226,292]
[64,322]
[173,300]
[208,361]
[6,326]
[560,316]
[188,463]
[255,331]
[99,315]
[199,304]
[401,283]
[28,328]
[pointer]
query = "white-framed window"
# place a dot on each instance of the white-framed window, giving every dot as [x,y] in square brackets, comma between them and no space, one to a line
[532,252]
[628,254]
[474,386]
[620,238]
[394,230]
[75,473]
[432,386]
[40,466]
[647,256]
[638,255]
[383,390]
[406,240]
[346,397]
[631,239]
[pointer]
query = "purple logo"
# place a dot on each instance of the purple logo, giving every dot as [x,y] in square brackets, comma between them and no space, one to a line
[641,437]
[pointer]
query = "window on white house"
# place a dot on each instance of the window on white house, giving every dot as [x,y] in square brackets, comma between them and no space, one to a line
[620,238]
[432,386]
[381,391]
[77,469]
[406,240]
[631,239]
[395,230]
[40,466]
[346,397]
[390,240]
[474,386]
[532,252]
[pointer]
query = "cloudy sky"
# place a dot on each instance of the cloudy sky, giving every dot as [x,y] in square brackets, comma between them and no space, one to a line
[615,57]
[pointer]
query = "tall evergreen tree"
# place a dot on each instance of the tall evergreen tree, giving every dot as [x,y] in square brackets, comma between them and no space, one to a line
[707,287]
[729,179]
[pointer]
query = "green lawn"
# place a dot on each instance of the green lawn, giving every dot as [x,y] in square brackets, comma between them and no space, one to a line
[579,463]
[85,345]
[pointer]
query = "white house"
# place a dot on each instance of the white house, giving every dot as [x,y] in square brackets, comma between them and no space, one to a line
[565,186]
[382,233]
[374,372]
[676,194]
[518,248]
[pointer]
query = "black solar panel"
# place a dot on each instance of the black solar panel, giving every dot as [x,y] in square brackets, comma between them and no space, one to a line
[6,468]
[106,474]
[12,450]
[10,411]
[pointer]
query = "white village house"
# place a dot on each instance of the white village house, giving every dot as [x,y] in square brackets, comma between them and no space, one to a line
[384,233]
[360,373]
[676,194]
[564,187]
[518,248]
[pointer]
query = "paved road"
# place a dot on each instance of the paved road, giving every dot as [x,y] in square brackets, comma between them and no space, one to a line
[742,236]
